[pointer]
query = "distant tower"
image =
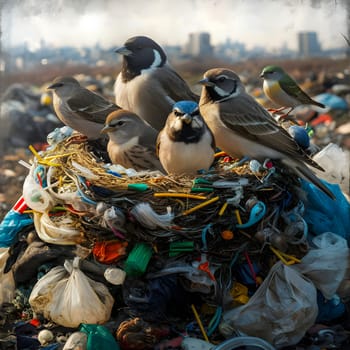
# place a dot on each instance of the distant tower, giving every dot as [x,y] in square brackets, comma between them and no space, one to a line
[199,44]
[308,44]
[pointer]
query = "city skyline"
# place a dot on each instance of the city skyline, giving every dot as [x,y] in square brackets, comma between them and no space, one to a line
[270,24]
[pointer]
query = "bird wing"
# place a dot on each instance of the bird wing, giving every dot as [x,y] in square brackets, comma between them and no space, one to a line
[253,122]
[173,84]
[159,137]
[144,157]
[289,86]
[155,95]
[148,138]
[90,106]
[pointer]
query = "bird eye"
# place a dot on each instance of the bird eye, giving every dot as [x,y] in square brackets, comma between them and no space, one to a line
[221,79]
[177,113]
[195,112]
[120,123]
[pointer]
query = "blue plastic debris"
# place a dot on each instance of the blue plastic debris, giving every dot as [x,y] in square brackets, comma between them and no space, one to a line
[323,214]
[332,101]
[12,224]
[329,310]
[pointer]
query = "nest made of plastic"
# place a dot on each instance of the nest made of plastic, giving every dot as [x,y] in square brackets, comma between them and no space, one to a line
[224,208]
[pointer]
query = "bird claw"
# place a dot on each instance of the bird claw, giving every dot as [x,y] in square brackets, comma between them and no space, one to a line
[279,113]
[276,110]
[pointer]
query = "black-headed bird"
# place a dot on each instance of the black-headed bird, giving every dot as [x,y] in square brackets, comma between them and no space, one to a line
[147,85]
[243,128]
[185,145]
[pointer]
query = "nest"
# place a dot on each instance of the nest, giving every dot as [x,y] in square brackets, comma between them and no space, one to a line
[207,209]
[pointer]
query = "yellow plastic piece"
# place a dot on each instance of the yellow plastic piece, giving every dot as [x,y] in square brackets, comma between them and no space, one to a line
[238,216]
[200,324]
[239,294]
[199,206]
[178,195]
[223,208]
[284,257]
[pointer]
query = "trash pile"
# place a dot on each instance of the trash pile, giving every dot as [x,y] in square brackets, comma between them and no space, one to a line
[94,255]
[26,117]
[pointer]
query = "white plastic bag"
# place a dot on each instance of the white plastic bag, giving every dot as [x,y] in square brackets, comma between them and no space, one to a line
[7,282]
[68,297]
[326,264]
[336,163]
[281,311]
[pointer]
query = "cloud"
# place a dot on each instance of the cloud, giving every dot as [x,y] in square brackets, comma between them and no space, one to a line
[110,22]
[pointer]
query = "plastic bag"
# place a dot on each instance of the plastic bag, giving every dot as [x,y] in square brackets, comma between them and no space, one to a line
[7,282]
[68,297]
[326,264]
[336,163]
[280,311]
[76,340]
[11,225]
[99,337]
[323,214]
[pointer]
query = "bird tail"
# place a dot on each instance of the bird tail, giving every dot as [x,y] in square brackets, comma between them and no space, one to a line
[303,171]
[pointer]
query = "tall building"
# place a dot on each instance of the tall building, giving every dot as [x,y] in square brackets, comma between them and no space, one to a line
[199,45]
[308,44]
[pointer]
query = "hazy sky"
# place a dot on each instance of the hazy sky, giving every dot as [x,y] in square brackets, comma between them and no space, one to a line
[268,23]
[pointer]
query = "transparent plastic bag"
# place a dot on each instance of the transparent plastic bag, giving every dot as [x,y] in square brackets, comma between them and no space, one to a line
[326,264]
[7,282]
[281,311]
[68,297]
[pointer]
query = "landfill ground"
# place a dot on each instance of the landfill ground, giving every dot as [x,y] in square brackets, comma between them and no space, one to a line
[155,308]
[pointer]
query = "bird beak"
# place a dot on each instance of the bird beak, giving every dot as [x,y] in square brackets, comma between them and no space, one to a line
[186,118]
[106,129]
[123,51]
[54,86]
[205,82]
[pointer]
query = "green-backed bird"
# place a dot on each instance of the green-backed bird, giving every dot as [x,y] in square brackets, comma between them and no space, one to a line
[282,90]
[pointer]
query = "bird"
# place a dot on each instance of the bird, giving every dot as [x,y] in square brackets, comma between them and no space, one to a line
[84,111]
[186,144]
[80,108]
[132,142]
[146,84]
[243,128]
[282,90]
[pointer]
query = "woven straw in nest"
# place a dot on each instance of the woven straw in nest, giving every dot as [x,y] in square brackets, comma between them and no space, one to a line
[68,153]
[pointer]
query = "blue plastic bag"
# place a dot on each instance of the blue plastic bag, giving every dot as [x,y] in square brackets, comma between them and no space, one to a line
[323,214]
[332,101]
[12,223]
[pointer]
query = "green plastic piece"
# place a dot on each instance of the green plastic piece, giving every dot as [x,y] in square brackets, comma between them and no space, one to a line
[200,180]
[201,189]
[138,187]
[99,337]
[177,248]
[138,259]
